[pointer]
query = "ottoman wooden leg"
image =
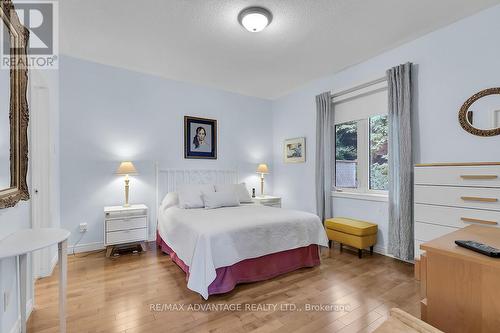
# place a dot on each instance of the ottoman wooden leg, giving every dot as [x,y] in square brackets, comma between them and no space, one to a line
[330,244]
[360,253]
[341,247]
[371,250]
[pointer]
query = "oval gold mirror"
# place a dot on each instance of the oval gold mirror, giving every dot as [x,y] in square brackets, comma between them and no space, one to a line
[13,108]
[480,114]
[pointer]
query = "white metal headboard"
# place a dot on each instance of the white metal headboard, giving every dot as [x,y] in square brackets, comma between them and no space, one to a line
[169,180]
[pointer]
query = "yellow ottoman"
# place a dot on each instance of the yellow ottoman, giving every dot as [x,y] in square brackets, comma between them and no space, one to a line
[355,233]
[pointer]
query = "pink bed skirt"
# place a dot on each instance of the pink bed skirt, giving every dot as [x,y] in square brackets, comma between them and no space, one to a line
[252,270]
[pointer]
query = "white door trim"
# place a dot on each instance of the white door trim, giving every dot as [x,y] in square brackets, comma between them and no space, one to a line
[41,169]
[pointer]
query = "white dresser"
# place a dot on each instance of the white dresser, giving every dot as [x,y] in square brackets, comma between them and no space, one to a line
[451,196]
[124,225]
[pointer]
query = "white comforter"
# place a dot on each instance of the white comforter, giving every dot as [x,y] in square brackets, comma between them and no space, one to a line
[206,239]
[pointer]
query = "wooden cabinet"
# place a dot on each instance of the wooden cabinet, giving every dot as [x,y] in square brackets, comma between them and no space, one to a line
[460,289]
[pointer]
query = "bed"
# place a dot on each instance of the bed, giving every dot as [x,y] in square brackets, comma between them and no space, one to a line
[220,248]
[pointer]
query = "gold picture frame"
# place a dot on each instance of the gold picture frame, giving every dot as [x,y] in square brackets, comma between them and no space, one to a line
[18,109]
[464,117]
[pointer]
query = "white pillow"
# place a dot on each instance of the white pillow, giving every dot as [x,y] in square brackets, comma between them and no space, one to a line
[240,190]
[170,200]
[190,195]
[220,199]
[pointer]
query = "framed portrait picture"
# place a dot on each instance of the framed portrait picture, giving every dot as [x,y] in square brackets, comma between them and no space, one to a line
[295,150]
[200,138]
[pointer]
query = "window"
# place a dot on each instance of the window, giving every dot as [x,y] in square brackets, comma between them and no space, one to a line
[346,155]
[379,166]
[379,153]
[361,162]
[361,132]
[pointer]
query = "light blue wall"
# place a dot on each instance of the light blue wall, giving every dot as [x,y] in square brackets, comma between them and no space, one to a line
[110,114]
[452,64]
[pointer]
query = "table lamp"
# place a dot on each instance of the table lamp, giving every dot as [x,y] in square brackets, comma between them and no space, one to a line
[125,169]
[262,169]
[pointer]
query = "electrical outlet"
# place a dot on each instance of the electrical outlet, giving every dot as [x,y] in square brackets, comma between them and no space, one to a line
[83,227]
[5,301]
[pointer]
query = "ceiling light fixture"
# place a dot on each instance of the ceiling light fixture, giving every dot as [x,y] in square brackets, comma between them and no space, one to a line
[255,19]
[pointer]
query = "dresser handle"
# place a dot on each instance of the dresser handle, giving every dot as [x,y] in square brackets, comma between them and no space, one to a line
[479,199]
[479,176]
[469,220]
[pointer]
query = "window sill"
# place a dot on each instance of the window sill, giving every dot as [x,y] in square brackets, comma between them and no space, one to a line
[361,196]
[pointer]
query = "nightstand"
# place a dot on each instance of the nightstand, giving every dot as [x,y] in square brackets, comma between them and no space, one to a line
[268,200]
[124,225]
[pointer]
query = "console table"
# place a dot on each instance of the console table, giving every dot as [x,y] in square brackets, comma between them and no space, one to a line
[459,287]
[22,242]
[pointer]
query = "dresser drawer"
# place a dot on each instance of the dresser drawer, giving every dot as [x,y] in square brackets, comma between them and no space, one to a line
[467,197]
[474,176]
[426,232]
[455,217]
[126,223]
[126,213]
[126,236]
[272,203]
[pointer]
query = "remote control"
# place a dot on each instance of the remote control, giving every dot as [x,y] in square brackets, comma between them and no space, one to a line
[479,247]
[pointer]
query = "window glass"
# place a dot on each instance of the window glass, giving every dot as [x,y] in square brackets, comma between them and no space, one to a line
[379,168]
[346,155]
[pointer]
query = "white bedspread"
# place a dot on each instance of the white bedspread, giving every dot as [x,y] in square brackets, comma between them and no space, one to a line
[206,239]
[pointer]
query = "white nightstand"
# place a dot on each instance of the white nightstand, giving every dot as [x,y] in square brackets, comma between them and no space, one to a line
[268,200]
[123,225]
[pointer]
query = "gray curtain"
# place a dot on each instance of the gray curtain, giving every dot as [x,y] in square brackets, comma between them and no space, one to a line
[324,153]
[400,162]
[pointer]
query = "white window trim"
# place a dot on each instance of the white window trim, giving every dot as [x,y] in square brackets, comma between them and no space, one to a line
[363,169]
[363,191]
[366,196]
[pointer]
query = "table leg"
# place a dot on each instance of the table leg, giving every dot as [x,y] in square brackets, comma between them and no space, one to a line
[23,271]
[63,279]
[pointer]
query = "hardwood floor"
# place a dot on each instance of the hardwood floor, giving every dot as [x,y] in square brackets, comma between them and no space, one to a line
[116,295]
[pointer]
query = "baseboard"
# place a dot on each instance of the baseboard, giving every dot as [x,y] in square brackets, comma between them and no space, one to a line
[16,328]
[53,264]
[29,309]
[85,247]
[384,251]
[50,270]
[381,250]
[92,247]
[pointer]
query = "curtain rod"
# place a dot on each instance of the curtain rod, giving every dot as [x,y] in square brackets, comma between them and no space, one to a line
[361,86]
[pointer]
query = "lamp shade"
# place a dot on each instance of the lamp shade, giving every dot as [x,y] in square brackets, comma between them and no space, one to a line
[126,168]
[262,168]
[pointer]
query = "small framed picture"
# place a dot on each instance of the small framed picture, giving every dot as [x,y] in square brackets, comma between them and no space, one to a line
[295,150]
[200,138]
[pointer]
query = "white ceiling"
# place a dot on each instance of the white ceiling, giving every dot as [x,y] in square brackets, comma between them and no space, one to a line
[201,41]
